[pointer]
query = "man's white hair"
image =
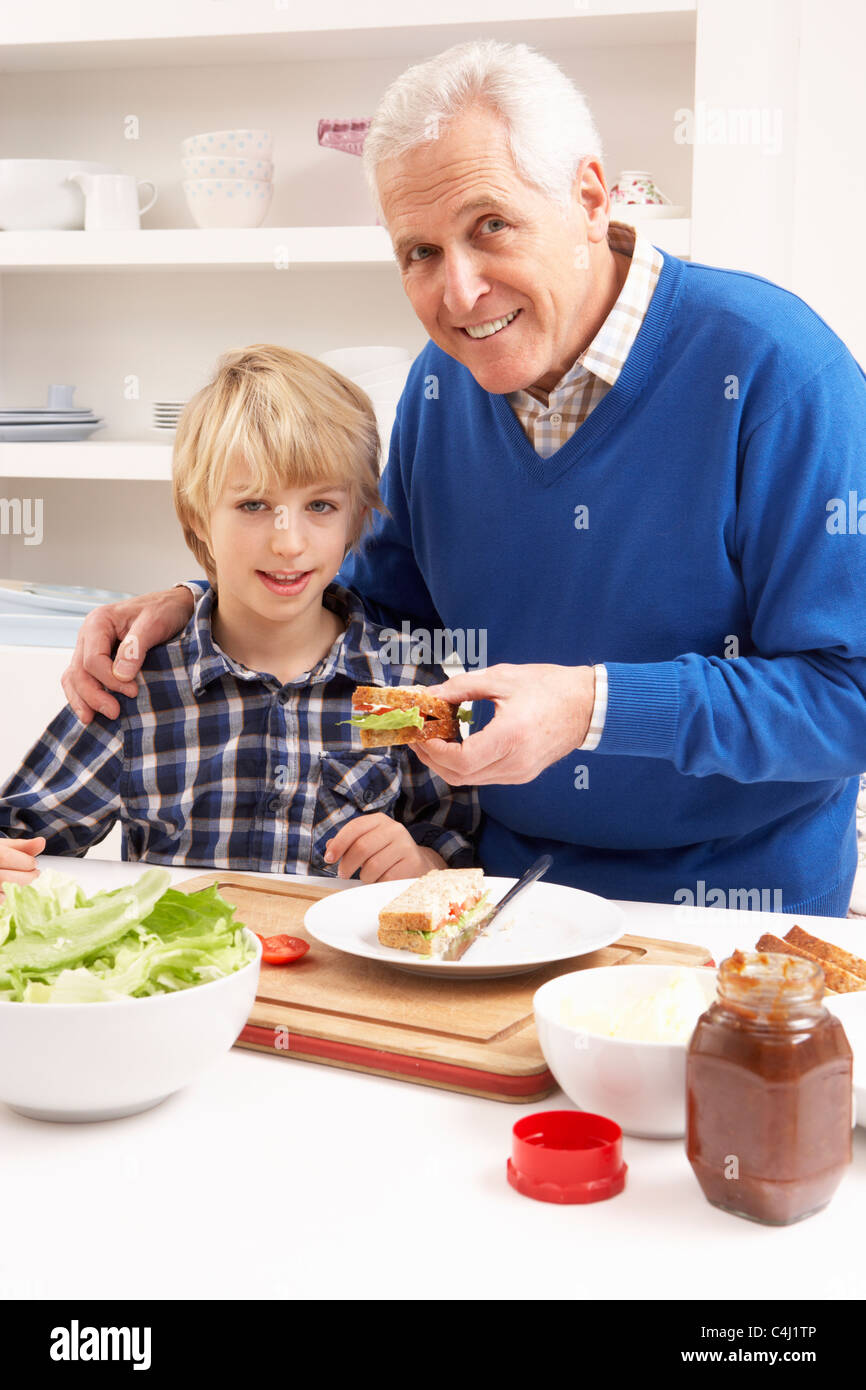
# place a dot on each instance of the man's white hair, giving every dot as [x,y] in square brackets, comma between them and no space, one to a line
[548,124]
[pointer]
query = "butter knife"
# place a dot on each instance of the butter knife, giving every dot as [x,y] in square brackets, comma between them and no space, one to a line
[460,945]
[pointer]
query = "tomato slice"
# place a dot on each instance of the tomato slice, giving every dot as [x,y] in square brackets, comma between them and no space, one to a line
[282,950]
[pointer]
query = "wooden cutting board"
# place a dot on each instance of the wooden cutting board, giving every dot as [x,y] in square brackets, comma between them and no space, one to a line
[476,1036]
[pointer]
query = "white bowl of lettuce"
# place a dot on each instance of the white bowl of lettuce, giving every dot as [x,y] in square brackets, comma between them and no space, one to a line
[110,1004]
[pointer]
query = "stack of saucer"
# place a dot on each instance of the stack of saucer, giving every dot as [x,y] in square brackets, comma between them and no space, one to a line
[56,421]
[166,415]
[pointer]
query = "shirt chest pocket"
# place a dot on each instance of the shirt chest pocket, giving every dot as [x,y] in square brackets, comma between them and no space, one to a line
[351,783]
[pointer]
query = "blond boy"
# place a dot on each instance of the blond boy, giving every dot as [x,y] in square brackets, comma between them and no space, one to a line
[234,753]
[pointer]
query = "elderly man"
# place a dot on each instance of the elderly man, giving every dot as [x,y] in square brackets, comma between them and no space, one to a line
[627,471]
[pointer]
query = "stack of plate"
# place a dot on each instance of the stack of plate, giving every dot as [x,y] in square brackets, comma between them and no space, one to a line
[166,415]
[41,422]
[46,615]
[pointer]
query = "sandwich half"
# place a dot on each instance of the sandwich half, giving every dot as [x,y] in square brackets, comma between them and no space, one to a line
[429,915]
[401,714]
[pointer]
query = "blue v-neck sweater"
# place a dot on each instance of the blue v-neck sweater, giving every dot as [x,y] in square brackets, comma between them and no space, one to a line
[703,534]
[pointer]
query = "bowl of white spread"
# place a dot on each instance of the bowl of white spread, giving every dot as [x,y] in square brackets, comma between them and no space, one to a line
[616,1039]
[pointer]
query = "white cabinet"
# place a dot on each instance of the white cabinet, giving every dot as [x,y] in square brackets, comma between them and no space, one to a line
[31,697]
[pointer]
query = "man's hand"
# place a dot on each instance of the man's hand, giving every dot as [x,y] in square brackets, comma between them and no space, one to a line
[138,624]
[542,714]
[381,848]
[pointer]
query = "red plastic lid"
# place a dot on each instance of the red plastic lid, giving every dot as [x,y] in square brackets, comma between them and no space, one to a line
[567,1156]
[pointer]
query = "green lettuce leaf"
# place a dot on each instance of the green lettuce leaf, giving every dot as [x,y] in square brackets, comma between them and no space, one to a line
[392,719]
[144,938]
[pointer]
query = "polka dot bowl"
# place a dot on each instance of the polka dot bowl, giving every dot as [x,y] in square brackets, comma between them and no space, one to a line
[237,144]
[228,202]
[227,167]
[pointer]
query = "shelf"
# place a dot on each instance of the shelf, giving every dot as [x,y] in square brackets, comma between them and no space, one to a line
[98,34]
[223,248]
[121,460]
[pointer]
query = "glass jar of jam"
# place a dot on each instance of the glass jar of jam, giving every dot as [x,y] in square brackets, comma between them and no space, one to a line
[768,1091]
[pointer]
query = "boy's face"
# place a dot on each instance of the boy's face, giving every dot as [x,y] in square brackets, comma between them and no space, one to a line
[275,552]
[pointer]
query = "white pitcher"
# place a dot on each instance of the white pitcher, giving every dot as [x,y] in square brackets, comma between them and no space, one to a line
[111,201]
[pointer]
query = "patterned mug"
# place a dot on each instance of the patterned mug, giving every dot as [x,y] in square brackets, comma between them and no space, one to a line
[635,186]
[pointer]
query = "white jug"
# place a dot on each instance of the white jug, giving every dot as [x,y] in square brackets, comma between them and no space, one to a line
[111,200]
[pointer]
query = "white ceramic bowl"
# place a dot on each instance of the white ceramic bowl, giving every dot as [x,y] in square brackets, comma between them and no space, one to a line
[359,361]
[228,202]
[248,144]
[384,376]
[227,167]
[34,194]
[102,1061]
[640,1085]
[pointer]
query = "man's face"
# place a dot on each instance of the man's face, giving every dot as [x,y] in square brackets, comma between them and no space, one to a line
[476,244]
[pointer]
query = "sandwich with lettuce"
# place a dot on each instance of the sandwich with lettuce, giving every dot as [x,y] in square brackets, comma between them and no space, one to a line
[438,915]
[403,714]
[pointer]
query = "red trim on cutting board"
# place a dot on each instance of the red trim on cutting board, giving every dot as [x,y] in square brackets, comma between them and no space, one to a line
[398,1062]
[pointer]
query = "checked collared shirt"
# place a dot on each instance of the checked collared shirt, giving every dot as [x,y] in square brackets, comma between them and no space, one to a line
[216,765]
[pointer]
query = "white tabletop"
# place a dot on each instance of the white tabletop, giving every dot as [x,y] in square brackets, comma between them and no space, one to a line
[275,1178]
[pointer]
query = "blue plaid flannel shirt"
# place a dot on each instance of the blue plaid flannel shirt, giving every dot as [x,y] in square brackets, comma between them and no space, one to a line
[216,765]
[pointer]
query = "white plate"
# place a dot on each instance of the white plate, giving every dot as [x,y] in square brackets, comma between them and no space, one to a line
[548,922]
[49,410]
[18,434]
[61,598]
[84,419]
[851,1009]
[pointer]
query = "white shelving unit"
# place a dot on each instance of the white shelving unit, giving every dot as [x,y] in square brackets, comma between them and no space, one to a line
[137,316]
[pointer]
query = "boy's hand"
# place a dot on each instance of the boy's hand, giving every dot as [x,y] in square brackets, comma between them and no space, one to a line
[138,624]
[16,859]
[381,848]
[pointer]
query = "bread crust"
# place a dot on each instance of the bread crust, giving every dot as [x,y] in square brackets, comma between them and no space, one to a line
[837,981]
[433,728]
[400,940]
[444,723]
[824,951]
